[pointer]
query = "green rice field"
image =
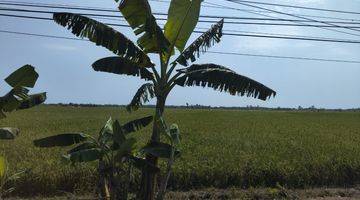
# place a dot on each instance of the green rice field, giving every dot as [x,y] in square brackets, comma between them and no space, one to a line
[220,148]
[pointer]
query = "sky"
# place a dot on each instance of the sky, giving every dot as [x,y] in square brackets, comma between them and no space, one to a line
[66,74]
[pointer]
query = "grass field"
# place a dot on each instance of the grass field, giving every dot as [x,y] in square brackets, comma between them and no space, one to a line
[221,148]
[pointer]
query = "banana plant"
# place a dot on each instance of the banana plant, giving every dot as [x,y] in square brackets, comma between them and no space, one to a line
[18,97]
[113,149]
[132,59]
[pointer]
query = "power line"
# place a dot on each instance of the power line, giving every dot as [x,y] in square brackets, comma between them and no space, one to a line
[225,33]
[256,11]
[40,35]
[284,57]
[65,6]
[281,36]
[292,15]
[213,6]
[208,21]
[50,19]
[281,5]
[108,10]
[263,33]
[57,6]
[214,52]
[301,7]
[288,38]
[210,5]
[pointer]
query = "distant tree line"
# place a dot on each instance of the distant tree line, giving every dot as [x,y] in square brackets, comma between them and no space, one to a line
[205,107]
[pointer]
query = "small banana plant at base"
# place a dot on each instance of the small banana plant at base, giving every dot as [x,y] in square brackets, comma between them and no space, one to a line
[169,151]
[113,149]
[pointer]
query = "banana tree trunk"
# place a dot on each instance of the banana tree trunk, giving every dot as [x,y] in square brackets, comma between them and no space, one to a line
[148,177]
[162,190]
[103,182]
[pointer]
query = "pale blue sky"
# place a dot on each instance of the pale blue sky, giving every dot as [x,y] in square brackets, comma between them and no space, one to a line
[66,74]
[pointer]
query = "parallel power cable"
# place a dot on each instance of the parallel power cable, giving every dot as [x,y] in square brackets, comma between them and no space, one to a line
[283,57]
[97,9]
[206,21]
[225,33]
[298,23]
[300,7]
[257,11]
[292,15]
[200,28]
[214,52]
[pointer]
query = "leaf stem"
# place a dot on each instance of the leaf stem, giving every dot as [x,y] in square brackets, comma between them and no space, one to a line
[173,65]
[171,82]
[157,76]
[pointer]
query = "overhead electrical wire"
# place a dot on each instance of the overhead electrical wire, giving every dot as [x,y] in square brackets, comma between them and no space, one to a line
[206,16]
[283,57]
[40,35]
[257,11]
[214,52]
[71,7]
[62,7]
[300,7]
[264,33]
[23,10]
[254,2]
[206,21]
[22,3]
[225,33]
[201,28]
[294,22]
[293,15]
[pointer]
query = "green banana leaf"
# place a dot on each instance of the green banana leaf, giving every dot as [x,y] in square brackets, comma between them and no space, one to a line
[137,124]
[139,16]
[161,150]
[83,146]
[25,76]
[61,140]
[33,100]
[183,15]
[86,155]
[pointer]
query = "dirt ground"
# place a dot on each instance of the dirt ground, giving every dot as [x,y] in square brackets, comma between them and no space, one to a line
[271,194]
[278,193]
